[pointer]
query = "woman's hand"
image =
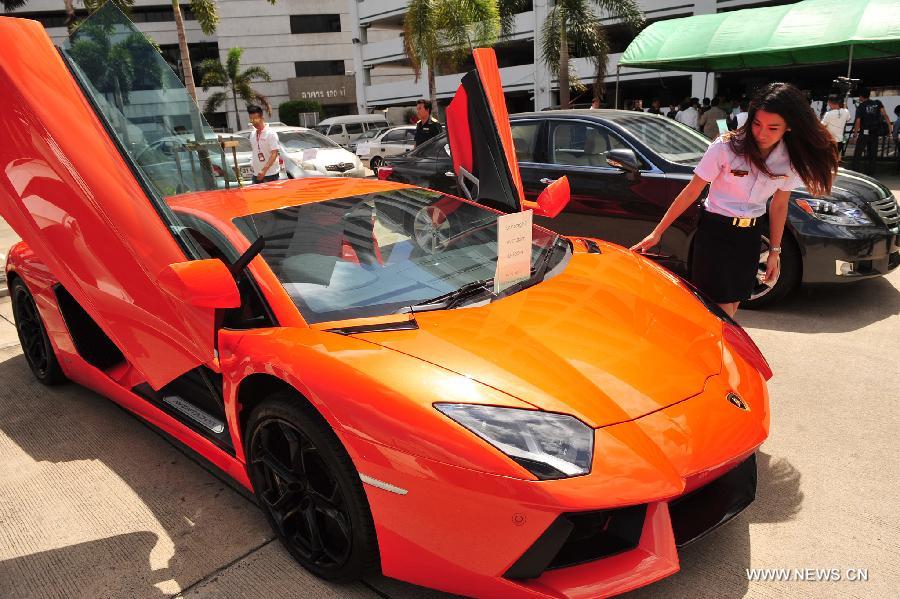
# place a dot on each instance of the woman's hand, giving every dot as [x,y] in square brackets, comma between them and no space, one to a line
[773,268]
[647,242]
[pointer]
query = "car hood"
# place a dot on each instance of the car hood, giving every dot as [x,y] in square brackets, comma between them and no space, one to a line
[610,339]
[856,187]
[324,156]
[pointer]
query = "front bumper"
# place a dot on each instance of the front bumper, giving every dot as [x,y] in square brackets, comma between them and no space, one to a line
[657,482]
[846,254]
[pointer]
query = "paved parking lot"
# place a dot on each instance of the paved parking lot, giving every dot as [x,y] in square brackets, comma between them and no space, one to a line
[93,503]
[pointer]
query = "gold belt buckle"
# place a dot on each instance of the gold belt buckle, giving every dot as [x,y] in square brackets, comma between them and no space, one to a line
[742,222]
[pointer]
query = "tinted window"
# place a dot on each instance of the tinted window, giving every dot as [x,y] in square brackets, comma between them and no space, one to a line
[316,68]
[581,144]
[354,128]
[670,139]
[524,139]
[396,136]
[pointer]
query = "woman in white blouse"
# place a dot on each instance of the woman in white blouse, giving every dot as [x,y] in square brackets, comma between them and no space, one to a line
[781,146]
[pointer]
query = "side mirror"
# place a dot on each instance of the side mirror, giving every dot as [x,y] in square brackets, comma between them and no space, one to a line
[623,159]
[552,200]
[201,283]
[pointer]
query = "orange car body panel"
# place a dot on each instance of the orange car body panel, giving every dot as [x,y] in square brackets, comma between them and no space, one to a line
[613,340]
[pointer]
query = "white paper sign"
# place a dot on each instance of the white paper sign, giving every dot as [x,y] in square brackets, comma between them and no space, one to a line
[513,249]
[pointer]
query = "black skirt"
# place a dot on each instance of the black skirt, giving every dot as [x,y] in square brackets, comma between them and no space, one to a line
[725,259]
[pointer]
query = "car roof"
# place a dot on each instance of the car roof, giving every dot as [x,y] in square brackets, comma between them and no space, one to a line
[353,118]
[602,113]
[226,205]
[276,129]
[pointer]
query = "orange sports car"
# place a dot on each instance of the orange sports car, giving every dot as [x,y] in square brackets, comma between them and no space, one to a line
[360,354]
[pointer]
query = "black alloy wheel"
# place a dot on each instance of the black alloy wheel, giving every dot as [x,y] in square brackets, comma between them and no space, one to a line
[375,162]
[309,490]
[767,294]
[33,336]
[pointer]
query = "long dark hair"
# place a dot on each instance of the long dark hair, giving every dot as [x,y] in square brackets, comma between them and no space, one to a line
[808,142]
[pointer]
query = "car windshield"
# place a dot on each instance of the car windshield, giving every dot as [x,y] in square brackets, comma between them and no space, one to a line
[370,134]
[374,254]
[295,141]
[670,139]
[323,129]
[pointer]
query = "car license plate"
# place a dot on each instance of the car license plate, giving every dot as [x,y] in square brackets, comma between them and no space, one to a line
[246,172]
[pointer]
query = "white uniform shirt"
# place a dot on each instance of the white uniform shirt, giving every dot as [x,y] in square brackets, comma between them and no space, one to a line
[737,188]
[835,121]
[688,116]
[264,142]
[741,118]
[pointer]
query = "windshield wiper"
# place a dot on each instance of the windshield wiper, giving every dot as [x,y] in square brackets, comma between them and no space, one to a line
[451,299]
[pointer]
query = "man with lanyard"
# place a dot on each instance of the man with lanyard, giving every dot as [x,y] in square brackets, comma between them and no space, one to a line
[428,126]
[869,116]
[265,147]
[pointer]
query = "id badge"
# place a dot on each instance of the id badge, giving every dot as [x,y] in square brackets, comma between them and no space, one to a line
[261,157]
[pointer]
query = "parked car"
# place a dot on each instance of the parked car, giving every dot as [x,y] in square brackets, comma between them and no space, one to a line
[625,169]
[183,152]
[307,153]
[393,142]
[347,129]
[391,410]
[368,135]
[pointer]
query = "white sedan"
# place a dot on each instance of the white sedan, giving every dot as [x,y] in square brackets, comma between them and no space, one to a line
[393,142]
[307,153]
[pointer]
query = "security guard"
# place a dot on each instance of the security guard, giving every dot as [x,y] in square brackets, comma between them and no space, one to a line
[428,126]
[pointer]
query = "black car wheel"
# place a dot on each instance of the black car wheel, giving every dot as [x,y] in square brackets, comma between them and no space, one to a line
[764,294]
[375,162]
[309,490]
[33,336]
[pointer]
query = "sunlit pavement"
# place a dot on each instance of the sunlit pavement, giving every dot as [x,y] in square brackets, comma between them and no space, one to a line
[93,503]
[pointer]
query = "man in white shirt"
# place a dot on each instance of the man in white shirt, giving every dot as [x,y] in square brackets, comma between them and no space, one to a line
[835,120]
[741,117]
[688,114]
[265,147]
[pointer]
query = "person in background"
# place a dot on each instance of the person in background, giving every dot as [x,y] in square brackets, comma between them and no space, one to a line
[687,114]
[870,115]
[428,126]
[595,104]
[654,107]
[638,105]
[896,132]
[783,146]
[835,120]
[265,147]
[741,117]
[708,120]
[704,106]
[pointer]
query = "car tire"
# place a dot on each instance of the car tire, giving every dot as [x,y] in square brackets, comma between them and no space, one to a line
[375,162]
[33,336]
[788,280]
[318,487]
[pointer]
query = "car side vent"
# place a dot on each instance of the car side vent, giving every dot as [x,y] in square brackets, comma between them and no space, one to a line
[592,246]
[579,537]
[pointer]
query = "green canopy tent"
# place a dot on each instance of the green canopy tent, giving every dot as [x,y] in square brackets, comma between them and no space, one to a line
[809,32]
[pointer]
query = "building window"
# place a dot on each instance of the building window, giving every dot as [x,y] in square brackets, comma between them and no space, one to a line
[138,14]
[318,68]
[199,52]
[315,23]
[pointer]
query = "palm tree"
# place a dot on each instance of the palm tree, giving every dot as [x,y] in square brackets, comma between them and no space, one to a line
[573,27]
[444,32]
[232,78]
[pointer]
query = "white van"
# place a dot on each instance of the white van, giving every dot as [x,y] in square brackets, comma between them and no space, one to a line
[344,129]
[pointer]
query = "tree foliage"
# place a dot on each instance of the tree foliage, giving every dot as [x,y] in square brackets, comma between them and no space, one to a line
[233,79]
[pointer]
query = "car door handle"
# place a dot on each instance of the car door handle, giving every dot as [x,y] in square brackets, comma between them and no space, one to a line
[547,181]
[450,174]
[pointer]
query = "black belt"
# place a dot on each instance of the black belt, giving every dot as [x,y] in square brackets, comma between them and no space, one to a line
[736,221]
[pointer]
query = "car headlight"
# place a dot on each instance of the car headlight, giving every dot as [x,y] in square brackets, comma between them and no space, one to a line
[835,212]
[548,445]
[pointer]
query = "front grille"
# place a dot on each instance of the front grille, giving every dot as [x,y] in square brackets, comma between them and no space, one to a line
[341,167]
[887,210]
[579,537]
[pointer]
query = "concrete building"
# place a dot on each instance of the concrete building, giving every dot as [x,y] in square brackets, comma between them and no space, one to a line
[382,81]
[304,44]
